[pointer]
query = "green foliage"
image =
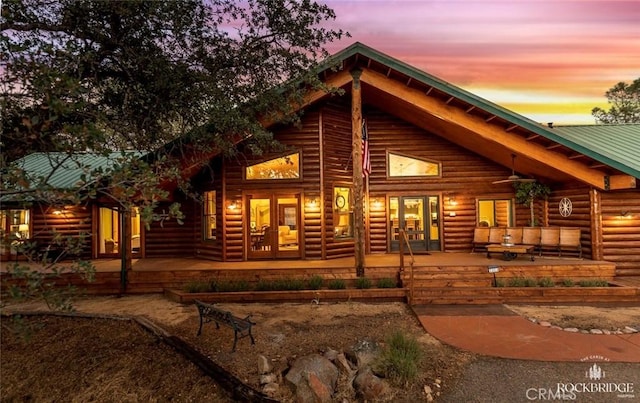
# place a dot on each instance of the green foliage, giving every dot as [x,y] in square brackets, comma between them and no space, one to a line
[567,282]
[593,283]
[527,193]
[386,282]
[500,283]
[198,286]
[363,283]
[400,359]
[546,282]
[337,284]
[83,80]
[31,283]
[315,282]
[625,104]
[232,286]
[517,282]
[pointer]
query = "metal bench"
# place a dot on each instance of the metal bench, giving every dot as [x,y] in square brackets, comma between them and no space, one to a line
[241,326]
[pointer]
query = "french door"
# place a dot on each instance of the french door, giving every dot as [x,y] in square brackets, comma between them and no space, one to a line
[273,228]
[419,216]
[111,234]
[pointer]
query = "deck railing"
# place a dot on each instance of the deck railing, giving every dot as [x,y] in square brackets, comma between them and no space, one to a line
[404,240]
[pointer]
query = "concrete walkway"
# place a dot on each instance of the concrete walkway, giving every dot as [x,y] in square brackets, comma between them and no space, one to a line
[496,331]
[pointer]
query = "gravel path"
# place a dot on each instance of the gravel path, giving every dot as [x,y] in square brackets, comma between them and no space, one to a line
[501,380]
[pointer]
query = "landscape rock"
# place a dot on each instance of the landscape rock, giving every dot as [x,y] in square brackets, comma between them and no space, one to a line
[331,355]
[596,331]
[571,330]
[369,387]
[343,364]
[264,366]
[629,329]
[268,378]
[363,353]
[312,378]
[271,389]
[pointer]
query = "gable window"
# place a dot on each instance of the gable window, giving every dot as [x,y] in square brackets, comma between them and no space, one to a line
[286,167]
[495,213]
[342,213]
[403,166]
[209,215]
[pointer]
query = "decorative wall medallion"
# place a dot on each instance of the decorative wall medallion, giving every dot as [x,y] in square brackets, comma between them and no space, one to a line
[340,202]
[565,207]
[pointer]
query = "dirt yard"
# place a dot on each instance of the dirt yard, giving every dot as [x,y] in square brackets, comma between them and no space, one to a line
[108,360]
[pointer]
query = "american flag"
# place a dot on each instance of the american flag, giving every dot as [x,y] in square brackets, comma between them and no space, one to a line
[366,156]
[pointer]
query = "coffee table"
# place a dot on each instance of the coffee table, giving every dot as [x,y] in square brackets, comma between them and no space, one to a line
[510,252]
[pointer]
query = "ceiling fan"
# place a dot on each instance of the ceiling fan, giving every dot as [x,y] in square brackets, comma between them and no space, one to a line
[513,177]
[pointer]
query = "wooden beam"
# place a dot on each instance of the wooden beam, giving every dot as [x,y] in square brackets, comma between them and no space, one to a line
[472,107]
[597,250]
[449,100]
[510,128]
[409,81]
[491,134]
[490,118]
[532,137]
[429,91]
[575,156]
[554,146]
[358,182]
[617,182]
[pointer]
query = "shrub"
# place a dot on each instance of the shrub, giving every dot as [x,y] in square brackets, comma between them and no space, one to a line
[594,283]
[386,282]
[232,286]
[516,282]
[337,284]
[289,284]
[197,286]
[500,282]
[363,283]
[315,282]
[567,282]
[546,282]
[400,359]
[530,282]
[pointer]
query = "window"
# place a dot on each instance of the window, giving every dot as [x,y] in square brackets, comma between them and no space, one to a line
[209,215]
[495,213]
[401,166]
[342,213]
[110,233]
[287,167]
[15,227]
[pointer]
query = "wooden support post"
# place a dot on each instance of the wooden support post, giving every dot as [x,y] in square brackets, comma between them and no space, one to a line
[597,251]
[358,183]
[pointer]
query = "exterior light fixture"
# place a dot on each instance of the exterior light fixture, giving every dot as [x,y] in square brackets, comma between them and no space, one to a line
[453,201]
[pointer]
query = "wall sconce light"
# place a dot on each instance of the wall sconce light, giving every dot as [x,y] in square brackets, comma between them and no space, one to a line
[312,203]
[453,201]
[376,204]
[234,205]
[625,214]
[57,212]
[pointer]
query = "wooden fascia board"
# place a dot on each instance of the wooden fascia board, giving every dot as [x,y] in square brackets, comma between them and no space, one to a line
[486,131]
[337,80]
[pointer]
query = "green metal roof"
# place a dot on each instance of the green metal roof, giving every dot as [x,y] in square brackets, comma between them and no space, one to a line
[64,171]
[616,145]
[621,152]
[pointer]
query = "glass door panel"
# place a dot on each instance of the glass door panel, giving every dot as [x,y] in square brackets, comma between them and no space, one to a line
[273,227]
[110,233]
[418,216]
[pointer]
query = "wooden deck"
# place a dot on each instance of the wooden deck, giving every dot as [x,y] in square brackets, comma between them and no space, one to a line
[435,278]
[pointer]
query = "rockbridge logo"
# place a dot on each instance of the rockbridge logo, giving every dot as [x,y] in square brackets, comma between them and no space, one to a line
[595,381]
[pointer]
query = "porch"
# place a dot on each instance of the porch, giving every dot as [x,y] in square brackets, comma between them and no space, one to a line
[436,278]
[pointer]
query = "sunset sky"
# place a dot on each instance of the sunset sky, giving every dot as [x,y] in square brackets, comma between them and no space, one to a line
[549,60]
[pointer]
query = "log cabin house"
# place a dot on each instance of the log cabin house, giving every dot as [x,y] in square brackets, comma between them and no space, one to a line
[434,151]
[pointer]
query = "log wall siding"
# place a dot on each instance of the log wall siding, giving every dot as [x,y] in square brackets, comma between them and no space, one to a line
[171,239]
[580,215]
[72,222]
[621,234]
[209,179]
[338,170]
[465,175]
